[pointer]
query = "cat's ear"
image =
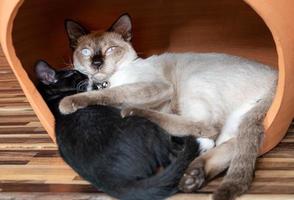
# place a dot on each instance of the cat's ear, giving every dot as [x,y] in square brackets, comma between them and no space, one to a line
[74,32]
[45,73]
[123,26]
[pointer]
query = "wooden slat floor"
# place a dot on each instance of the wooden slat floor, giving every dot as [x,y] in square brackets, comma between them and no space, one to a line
[30,167]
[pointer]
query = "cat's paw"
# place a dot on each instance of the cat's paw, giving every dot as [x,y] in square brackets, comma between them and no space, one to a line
[71,104]
[194,177]
[130,111]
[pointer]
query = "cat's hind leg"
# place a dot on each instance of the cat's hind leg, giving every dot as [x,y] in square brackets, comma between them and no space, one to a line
[207,166]
[241,171]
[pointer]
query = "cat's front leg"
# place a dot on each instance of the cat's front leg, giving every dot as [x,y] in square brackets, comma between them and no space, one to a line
[72,103]
[142,94]
[174,124]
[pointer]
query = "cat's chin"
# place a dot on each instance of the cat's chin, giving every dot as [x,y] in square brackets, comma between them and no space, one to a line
[98,77]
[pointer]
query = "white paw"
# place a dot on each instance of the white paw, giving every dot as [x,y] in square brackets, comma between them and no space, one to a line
[205,144]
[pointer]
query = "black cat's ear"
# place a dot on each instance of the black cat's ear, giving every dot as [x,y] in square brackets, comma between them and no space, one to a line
[74,32]
[45,73]
[123,26]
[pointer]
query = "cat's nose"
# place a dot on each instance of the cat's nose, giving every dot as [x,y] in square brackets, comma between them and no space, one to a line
[97,61]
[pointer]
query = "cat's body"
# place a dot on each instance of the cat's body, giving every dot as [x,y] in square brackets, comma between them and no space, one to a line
[210,93]
[118,156]
[224,83]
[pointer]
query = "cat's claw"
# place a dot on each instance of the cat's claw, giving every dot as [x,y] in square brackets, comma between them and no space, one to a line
[129,111]
[71,104]
[194,177]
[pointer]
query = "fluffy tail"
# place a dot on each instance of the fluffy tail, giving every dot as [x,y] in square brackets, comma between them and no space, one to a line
[240,173]
[164,183]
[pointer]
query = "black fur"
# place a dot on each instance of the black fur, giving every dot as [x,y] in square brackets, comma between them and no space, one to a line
[120,156]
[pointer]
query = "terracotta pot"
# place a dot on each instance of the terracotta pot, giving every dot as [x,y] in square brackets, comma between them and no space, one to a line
[261,30]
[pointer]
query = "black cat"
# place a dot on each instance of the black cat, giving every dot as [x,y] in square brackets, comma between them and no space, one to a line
[128,158]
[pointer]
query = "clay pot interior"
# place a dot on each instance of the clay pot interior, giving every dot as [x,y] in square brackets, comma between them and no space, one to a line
[226,26]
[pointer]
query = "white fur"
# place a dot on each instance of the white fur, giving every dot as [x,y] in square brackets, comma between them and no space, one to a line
[136,71]
[205,144]
[215,88]
[230,128]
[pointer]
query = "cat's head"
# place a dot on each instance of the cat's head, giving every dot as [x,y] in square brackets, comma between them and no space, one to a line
[54,85]
[99,55]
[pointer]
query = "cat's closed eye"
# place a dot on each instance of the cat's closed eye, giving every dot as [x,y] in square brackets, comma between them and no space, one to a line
[110,50]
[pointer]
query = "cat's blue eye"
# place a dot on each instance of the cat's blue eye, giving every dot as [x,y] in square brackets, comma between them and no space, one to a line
[86,52]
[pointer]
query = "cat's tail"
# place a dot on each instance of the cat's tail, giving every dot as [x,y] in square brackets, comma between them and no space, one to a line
[240,173]
[164,183]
